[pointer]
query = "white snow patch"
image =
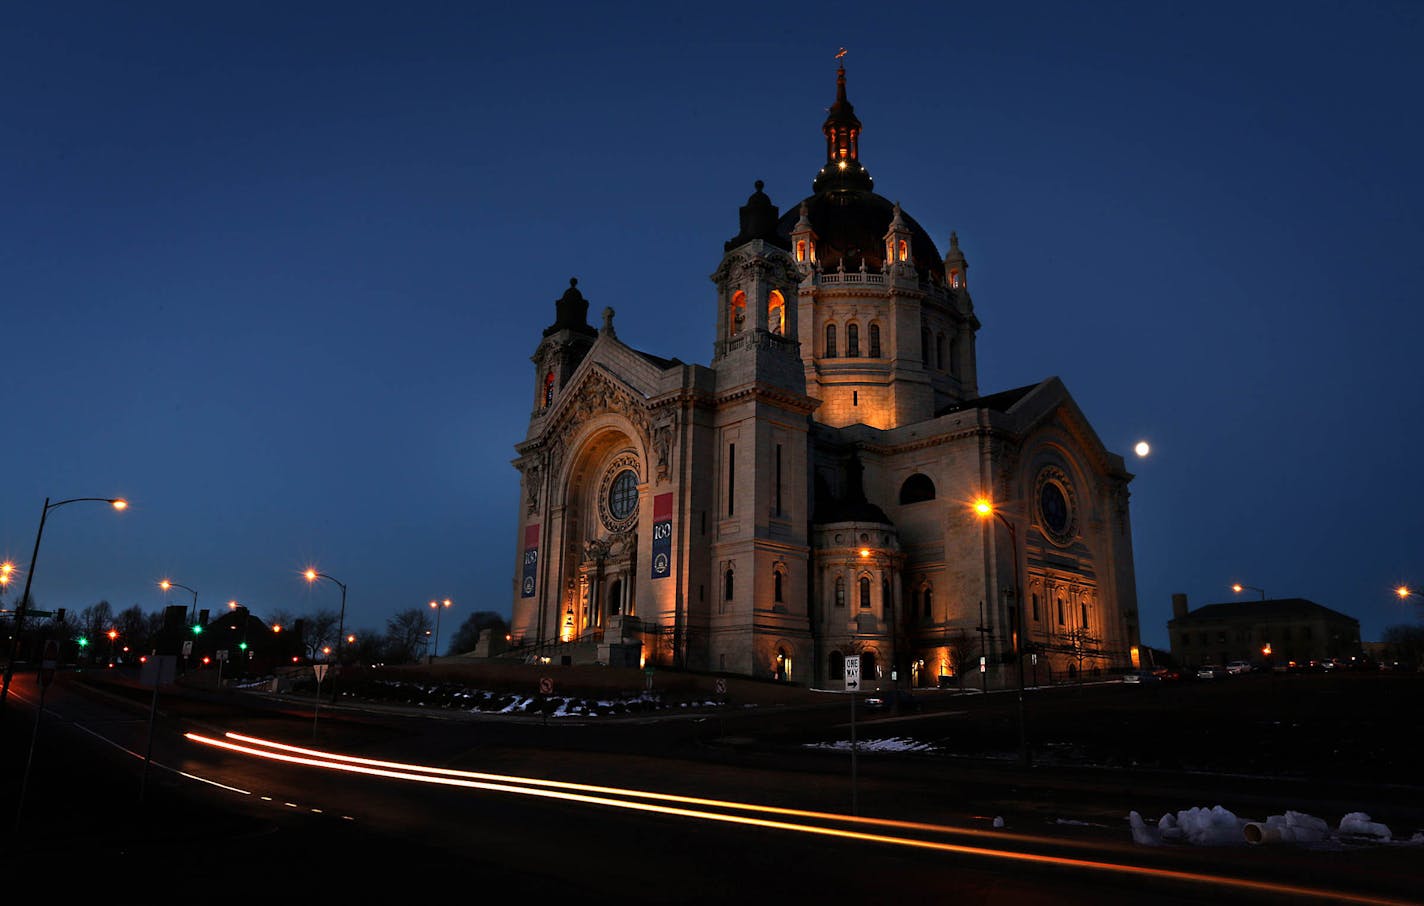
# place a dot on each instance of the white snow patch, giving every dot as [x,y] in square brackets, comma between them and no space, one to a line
[893,744]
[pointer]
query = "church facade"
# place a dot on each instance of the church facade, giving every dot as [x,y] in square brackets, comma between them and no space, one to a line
[809,495]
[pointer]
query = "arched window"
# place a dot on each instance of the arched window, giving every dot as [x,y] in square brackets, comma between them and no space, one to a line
[939,352]
[776,586]
[917,489]
[830,341]
[954,356]
[875,341]
[776,313]
[867,666]
[852,340]
[927,601]
[548,389]
[925,346]
[729,584]
[737,313]
[864,593]
[801,250]
[885,594]
[615,598]
[903,250]
[954,278]
[840,591]
[837,665]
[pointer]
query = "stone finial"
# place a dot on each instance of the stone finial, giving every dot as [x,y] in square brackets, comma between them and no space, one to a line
[608,322]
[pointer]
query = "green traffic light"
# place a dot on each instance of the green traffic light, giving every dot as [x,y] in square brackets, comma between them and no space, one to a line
[242,645]
[197,630]
[83,642]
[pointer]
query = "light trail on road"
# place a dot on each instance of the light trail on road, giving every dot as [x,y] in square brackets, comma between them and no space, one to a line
[605,796]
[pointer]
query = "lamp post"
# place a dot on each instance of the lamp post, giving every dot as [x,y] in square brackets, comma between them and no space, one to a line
[167,584]
[1404,593]
[1238,588]
[430,655]
[312,575]
[117,503]
[984,508]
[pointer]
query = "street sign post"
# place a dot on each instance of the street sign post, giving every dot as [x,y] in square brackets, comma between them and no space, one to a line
[852,673]
[852,686]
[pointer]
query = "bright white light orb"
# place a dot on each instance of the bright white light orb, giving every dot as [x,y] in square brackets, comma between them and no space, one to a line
[1142,448]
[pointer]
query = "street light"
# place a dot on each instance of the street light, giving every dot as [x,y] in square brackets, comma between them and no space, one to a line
[430,655]
[168,584]
[1404,593]
[311,576]
[1238,588]
[984,508]
[117,503]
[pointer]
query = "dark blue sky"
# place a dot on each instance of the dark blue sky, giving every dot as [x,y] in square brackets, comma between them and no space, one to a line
[274,271]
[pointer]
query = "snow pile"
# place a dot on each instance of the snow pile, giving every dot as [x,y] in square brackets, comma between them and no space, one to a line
[1292,827]
[1217,826]
[893,744]
[1358,824]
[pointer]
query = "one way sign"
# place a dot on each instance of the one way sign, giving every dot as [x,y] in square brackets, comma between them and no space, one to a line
[852,673]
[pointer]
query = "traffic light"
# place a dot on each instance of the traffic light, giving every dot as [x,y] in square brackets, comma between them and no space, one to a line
[83,642]
[242,645]
[197,629]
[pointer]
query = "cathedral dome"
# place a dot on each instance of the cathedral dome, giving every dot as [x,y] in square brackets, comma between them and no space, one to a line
[849,220]
[850,227]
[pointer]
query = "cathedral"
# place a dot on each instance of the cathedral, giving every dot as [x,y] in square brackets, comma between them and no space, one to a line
[833,483]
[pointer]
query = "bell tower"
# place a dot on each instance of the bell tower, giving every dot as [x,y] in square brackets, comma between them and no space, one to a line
[564,345]
[757,621]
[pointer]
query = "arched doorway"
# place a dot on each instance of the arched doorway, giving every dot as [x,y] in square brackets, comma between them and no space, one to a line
[603,491]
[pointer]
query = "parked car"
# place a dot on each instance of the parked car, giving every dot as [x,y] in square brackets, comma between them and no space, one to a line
[891,700]
[1141,677]
[1211,671]
[1235,668]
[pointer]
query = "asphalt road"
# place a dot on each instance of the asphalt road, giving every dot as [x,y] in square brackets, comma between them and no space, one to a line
[283,826]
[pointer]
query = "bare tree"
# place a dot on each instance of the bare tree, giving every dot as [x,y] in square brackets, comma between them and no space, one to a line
[405,635]
[318,631]
[961,651]
[95,620]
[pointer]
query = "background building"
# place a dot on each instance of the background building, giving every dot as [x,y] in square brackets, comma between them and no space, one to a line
[1295,629]
[807,496]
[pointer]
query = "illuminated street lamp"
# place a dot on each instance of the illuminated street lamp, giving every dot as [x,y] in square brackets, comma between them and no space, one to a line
[1404,593]
[430,655]
[311,576]
[168,584]
[1237,587]
[117,503]
[984,508]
